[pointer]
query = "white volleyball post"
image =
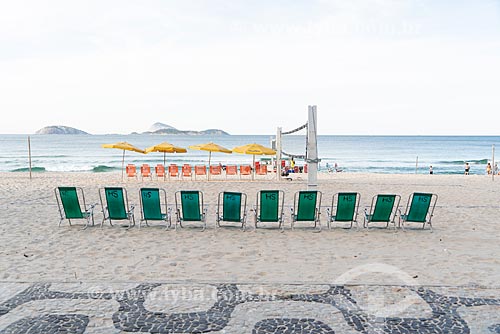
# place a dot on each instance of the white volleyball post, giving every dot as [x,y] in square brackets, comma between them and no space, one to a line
[312,149]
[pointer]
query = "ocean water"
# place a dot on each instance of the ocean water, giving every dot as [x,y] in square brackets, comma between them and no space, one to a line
[353,154]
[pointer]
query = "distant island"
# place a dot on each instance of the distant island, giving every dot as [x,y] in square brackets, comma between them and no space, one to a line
[165,129]
[60,130]
[155,129]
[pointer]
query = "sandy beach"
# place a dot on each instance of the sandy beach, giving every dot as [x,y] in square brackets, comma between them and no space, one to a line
[462,250]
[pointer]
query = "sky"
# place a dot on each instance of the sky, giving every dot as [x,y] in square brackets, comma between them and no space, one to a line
[372,67]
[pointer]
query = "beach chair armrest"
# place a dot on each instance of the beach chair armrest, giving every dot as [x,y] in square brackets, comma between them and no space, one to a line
[91,207]
[131,211]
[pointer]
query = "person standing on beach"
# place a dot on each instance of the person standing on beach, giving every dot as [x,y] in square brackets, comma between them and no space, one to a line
[488,169]
[467,168]
[430,170]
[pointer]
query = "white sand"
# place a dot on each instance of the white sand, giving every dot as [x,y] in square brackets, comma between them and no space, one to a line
[464,248]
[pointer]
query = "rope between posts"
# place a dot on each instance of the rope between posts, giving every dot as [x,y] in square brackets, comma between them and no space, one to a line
[295,130]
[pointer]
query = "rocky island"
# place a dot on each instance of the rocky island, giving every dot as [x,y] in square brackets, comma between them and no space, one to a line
[60,130]
[165,129]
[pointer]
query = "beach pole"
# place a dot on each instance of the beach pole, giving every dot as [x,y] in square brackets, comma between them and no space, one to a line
[209,158]
[278,154]
[416,165]
[493,162]
[29,155]
[312,149]
[123,163]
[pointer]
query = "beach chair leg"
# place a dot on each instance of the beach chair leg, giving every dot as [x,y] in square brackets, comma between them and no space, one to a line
[255,217]
[317,224]
[131,220]
[88,222]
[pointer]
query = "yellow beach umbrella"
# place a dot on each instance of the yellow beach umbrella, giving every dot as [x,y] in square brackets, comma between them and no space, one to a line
[123,145]
[165,148]
[210,147]
[254,149]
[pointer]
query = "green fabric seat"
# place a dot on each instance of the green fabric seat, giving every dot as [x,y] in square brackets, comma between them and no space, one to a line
[73,206]
[306,207]
[231,207]
[269,207]
[419,209]
[151,205]
[383,209]
[115,205]
[346,208]
[189,207]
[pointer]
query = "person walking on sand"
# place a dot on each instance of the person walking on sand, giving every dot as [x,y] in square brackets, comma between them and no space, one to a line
[430,170]
[467,168]
[488,169]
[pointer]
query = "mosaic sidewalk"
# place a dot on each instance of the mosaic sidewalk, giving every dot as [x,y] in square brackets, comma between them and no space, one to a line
[235,308]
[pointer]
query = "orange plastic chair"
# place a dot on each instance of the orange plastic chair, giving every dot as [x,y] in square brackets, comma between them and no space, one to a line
[245,170]
[145,171]
[160,171]
[215,170]
[231,170]
[131,170]
[262,170]
[173,170]
[186,170]
[305,168]
[200,170]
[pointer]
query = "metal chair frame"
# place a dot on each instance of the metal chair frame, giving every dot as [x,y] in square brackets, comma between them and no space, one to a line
[87,212]
[295,208]
[403,217]
[392,217]
[281,202]
[166,217]
[178,210]
[333,218]
[129,210]
[220,205]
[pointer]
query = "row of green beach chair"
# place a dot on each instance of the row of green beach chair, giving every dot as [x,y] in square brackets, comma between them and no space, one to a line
[232,207]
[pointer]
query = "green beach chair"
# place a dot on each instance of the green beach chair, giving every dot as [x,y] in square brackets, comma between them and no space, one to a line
[115,205]
[231,207]
[306,207]
[73,206]
[346,206]
[153,200]
[419,209]
[383,209]
[189,207]
[269,207]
